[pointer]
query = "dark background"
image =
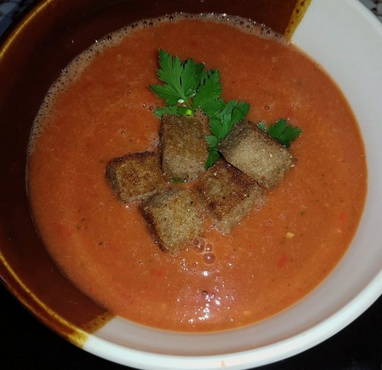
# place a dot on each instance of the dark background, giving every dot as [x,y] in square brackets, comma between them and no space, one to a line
[27,344]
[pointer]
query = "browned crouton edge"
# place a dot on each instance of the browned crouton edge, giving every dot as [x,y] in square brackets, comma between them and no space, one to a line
[257,154]
[228,194]
[173,201]
[139,188]
[184,149]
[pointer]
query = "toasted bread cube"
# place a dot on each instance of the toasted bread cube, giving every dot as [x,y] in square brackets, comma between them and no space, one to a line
[229,195]
[175,218]
[184,148]
[255,153]
[135,176]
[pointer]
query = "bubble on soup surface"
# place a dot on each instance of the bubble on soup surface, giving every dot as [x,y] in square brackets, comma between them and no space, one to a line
[209,258]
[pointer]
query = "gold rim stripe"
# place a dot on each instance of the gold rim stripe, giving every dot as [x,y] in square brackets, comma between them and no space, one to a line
[298,13]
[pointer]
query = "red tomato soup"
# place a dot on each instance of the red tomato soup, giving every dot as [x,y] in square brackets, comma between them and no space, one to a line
[101,108]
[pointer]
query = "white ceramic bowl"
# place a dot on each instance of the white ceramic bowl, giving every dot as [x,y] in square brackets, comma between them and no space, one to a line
[346,39]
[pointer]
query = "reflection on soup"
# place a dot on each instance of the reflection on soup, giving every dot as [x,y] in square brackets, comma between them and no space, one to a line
[101,108]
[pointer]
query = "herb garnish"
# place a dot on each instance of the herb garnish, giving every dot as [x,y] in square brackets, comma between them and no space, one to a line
[282,131]
[177,180]
[188,87]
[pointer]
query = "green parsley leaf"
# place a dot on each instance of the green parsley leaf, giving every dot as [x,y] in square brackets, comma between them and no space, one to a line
[239,112]
[170,72]
[173,109]
[181,78]
[161,111]
[261,126]
[212,141]
[207,98]
[191,77]
[223,121]
[176,180]
[167,93]
[215,126]
[282,131]
[211,107]
[213,156]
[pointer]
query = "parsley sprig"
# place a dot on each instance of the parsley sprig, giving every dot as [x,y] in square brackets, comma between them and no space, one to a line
[282,131]
[188,86]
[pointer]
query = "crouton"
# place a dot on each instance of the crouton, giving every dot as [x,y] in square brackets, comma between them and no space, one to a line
[174,217]
[183,145]
[255,153]
[135,176]
[229,195]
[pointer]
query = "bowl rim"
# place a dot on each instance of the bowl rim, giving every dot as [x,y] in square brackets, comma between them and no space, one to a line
[259,356]
[8,276]
[106,349]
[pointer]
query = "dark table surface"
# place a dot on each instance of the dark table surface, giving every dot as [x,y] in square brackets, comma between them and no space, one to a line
[27,344]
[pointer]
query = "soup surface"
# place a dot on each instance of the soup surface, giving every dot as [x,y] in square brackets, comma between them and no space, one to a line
[101,108]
